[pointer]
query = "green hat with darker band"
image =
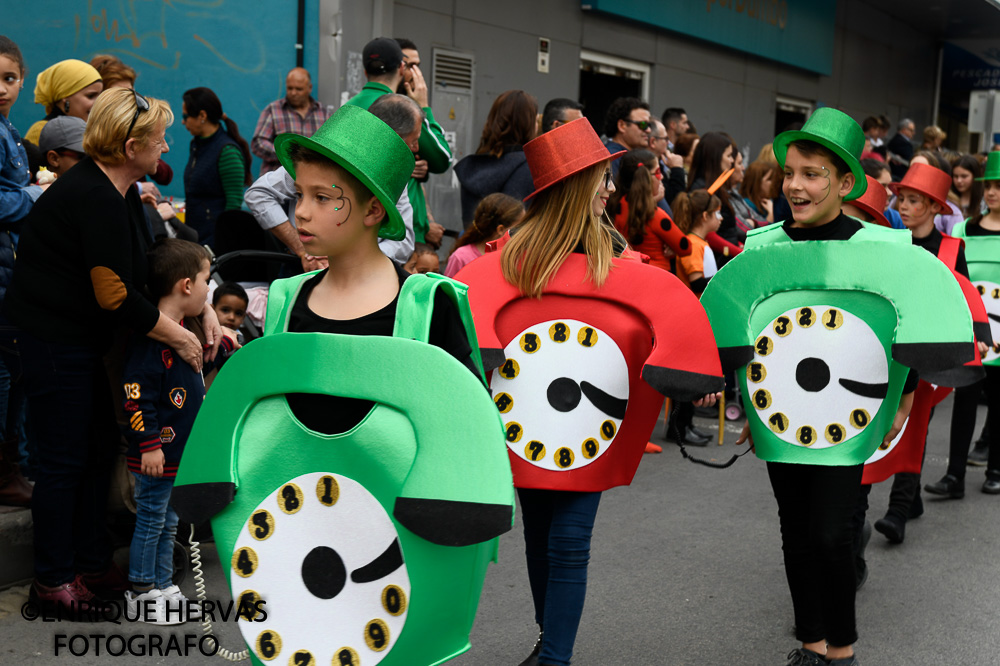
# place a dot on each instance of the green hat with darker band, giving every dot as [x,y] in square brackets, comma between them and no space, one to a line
[369,150]
[992,167]
[836,131]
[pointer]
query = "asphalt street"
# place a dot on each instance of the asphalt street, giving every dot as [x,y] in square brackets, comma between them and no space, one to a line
[686,569]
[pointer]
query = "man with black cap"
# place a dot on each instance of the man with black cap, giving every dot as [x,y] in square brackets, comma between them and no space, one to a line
[62,143]
[386,67]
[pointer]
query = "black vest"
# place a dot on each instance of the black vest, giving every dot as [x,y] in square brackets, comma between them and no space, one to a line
[204,197]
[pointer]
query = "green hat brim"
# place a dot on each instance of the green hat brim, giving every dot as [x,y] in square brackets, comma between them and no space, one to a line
[392,227]
[780,147]
[992,167]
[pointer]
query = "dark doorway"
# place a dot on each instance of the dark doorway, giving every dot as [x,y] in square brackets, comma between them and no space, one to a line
[790,115]
[598,89]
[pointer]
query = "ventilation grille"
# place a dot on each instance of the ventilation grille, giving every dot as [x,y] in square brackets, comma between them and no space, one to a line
[453,71]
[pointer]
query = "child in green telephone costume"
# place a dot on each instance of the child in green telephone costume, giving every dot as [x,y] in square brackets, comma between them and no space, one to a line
[821,316]
[981,233]
[360,509]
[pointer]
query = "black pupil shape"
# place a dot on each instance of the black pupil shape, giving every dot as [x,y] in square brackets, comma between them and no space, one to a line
[812,374]
[563,394]
[323,572]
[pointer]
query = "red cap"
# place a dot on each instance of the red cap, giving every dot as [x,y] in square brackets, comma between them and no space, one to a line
[929,181]
[564,151]
[873,201]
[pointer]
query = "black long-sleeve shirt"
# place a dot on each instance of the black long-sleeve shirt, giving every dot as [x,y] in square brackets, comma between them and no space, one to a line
[81,263]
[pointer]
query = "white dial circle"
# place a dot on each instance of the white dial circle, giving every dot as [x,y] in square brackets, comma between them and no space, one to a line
[562,393]
[324,557]
[818,377]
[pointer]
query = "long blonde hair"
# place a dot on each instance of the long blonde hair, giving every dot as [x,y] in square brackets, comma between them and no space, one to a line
[560,218]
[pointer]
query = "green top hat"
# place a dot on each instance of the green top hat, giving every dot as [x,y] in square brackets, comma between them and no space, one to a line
[369,149]
[837,131]
[992,167]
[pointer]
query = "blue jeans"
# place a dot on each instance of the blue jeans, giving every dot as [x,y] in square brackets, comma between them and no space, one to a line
[151,558]
[557,530]
[11,390]
[72,422]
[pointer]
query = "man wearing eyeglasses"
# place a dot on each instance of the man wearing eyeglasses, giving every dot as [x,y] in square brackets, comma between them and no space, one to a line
[671,165]
[627,126]
[387,67]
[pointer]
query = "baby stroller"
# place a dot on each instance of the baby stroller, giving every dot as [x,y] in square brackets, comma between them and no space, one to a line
[249,255]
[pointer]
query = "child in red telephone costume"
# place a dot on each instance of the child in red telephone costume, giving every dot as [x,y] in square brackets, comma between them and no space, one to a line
[584,340]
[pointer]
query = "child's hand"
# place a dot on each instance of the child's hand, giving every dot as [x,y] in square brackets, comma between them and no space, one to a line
[905,403]
[233,337]
[152,463]
[708,400]
[745,436]
[983,348]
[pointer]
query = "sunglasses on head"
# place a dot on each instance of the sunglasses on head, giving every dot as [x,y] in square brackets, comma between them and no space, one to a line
[643,125]
[141,105]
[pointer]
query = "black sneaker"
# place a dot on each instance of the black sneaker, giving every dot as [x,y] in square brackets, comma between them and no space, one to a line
[948,486]
[992,484]
[804,657]
[979,455]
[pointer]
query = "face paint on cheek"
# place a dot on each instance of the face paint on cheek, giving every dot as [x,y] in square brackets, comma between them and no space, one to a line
[829,185]
[341,206]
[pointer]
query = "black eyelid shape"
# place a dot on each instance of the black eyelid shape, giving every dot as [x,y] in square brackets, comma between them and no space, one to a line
[993,316]
[383,565]
[877,391]
[607,403]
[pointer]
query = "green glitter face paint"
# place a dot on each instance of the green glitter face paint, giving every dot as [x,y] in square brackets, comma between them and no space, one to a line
[829,185]
[340,203]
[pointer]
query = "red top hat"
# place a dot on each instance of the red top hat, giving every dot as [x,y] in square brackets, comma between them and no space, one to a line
[873,201]
[564,151]
[929,181]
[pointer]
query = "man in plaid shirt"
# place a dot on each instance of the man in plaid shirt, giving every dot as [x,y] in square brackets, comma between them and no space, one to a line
[297,112]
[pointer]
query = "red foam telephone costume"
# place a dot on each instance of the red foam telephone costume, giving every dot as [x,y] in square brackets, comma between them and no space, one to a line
[906,452]
[578,373]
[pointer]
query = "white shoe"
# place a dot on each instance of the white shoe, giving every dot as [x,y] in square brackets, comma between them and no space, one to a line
[150,607]
[191,610]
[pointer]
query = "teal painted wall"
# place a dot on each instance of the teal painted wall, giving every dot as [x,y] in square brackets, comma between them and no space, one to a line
[794,32]
[241,49]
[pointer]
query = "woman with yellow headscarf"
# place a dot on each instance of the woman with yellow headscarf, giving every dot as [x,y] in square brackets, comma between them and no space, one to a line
[67,88]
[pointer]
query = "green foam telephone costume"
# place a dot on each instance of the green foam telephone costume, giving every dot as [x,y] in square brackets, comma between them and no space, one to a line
[367,547]
[823,333]
[982,253]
